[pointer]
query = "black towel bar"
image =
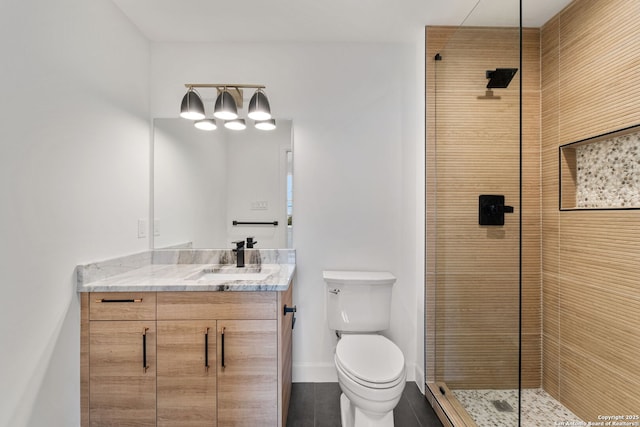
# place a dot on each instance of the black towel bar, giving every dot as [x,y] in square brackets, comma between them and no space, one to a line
[274,223]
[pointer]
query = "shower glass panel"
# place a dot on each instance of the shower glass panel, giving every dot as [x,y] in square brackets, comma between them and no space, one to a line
[474,183]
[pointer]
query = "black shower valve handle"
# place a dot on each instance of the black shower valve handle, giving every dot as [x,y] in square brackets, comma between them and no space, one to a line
[492,209]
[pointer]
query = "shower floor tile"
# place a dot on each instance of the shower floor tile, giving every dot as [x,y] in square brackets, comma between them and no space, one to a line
[539,409]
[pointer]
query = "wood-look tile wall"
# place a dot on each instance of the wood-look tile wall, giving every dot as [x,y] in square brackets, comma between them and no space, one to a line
[472,149]
[590,54]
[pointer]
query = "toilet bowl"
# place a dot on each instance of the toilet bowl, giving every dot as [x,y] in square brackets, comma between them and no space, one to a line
[372,375]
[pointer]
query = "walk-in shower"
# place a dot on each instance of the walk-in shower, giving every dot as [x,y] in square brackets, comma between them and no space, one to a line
[483,278]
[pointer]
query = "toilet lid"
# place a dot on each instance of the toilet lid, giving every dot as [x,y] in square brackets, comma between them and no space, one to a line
[370,358]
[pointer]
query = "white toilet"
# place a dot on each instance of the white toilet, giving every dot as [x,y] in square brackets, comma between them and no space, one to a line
[370,367]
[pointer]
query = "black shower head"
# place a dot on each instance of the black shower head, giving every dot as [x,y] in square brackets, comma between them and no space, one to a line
[500,77]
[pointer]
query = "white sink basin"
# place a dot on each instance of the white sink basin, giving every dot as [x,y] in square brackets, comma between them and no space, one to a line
[231,272]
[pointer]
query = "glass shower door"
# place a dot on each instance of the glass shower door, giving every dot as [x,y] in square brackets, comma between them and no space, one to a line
[473,222]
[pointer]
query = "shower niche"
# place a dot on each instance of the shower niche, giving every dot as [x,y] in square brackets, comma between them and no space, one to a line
[602,172]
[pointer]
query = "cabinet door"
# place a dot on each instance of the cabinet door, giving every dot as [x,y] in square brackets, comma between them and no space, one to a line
[247,373]
[122,381]
[285,299]
[186,373]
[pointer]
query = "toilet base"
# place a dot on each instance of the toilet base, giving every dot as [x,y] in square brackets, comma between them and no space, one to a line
[352,416]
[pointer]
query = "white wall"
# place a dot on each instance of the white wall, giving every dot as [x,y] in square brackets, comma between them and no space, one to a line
[74,151]
[74,165]
[358,126]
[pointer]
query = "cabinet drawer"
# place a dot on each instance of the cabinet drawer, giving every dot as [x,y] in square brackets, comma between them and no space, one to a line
[217,305]
[122,306]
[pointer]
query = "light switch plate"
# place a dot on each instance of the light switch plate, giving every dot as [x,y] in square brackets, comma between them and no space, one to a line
[143,226]
[259,205]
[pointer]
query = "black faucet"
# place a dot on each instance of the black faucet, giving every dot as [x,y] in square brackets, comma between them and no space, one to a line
[239,250]
[251,242]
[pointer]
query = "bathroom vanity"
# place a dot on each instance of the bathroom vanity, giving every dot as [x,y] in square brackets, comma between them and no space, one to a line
[181,338]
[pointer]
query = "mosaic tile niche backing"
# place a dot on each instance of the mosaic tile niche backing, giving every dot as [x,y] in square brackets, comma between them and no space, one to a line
[608,173]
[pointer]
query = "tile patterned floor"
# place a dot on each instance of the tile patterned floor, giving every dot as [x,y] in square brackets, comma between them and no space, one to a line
[318,405]
[539,409]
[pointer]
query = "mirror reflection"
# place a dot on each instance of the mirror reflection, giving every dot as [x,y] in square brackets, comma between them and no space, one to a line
[204,182]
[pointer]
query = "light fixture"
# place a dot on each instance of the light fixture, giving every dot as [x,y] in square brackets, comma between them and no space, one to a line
[225,107]
[192,107]
[259,106]
[229,99]
[235,124]
[269,124]
[206,124]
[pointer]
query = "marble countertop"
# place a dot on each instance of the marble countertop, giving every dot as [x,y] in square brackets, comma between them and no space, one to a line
[187,271]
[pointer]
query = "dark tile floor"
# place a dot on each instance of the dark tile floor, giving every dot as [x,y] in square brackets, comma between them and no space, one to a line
[318,405]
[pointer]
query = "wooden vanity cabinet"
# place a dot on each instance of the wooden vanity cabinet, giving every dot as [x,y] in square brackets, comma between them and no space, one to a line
[214,359]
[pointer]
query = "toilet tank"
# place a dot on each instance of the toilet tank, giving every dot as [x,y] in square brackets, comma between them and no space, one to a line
[358,301]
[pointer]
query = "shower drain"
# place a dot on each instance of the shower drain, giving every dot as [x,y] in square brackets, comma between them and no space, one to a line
[502,406]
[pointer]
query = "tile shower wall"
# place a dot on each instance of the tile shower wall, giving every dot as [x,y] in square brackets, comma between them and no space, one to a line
[591,282]
[608,173]
[472,271]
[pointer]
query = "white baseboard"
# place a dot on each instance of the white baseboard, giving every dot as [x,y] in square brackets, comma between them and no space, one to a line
[314,373]
[419,377]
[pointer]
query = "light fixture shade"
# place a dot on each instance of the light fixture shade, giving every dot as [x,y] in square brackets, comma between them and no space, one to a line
[206,124]
[225,107]
[236,124]
[266,124]
[259,106]
[192,107]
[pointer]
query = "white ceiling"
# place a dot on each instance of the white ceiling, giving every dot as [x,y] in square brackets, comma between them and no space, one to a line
[321,20]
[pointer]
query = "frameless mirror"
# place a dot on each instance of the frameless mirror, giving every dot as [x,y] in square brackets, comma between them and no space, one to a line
[213,188]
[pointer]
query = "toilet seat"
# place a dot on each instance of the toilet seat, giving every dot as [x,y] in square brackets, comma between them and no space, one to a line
[368,384]
[370,360]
